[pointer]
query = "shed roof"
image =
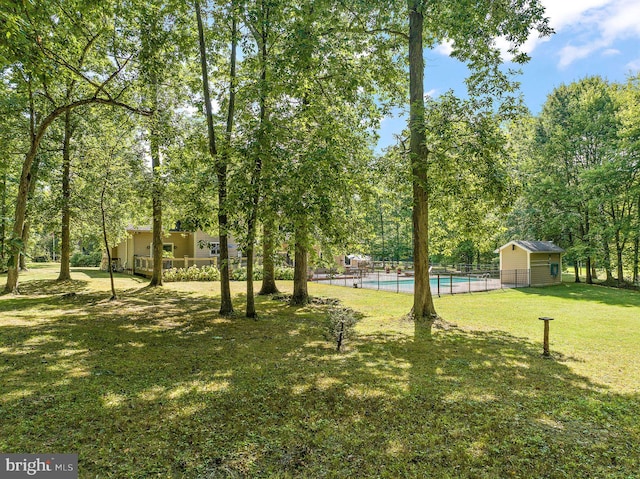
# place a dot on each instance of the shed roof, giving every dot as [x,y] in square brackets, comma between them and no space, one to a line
[534,246]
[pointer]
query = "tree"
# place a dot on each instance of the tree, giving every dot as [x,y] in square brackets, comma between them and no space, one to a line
[473,28]
[111,167]
[37,33]
[222,160]
[574,139]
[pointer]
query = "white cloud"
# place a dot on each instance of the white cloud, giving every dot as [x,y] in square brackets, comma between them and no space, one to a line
[444,48]
[569,54]
[634,65]
[621,20]
[609,52]
[431,93]
[569,12]
[603,22]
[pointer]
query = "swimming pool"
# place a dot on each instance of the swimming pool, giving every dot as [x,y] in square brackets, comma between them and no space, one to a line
[389,282]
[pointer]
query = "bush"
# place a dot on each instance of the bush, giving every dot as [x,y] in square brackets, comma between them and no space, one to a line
[192,273]
[211,273]
[284,273]
[340,320]
[91,259]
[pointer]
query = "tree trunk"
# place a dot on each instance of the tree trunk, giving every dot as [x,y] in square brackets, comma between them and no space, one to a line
[268,263]
[106,242]
[300,293]
[226,305]
[26,230]
[261,41]
[3,213]
[423,309]
[158,250]
[576,271]
[250,311]
[589,279]
[606,258]
[65,238]
[383,258]
[636,254]
[619,249]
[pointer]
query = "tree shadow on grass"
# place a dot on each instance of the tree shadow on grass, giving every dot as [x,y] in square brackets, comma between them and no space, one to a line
[96,273]
[160,385]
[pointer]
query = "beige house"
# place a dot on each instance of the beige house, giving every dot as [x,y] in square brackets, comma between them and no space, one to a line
[183,249]
[530,263]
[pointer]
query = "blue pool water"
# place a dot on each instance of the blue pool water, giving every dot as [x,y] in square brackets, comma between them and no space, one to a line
[405,282]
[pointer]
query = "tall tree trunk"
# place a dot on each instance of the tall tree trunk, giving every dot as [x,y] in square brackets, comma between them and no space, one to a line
[158,250]
[151,69]
[636,245]
[226,305]
[619,249]
[589,271]
[65,237]
[576,271]
[261,40]
[636,259]
[606,258]
[424,311]
[382,236]
[300,270]
[268,262]
[3,213]
[26,230]
[106,241]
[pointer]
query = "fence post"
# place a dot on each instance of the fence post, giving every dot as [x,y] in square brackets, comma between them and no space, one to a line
[469,280]
[186,262]
[450,283]
[438,285]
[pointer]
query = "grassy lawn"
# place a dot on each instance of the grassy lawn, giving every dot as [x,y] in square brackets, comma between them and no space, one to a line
[156,384]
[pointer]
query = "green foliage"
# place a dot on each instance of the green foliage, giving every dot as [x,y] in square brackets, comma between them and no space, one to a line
[192,273]
[211,273]
[284,273]
[91,259]
[580,175]
[340,324]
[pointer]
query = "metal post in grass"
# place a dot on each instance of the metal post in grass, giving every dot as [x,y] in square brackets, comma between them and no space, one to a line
[340,335]
[397,283]
[438,285]
[469,280]
[450,283]
[545,344]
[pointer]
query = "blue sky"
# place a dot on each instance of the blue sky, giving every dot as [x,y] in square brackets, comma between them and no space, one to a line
[593,37]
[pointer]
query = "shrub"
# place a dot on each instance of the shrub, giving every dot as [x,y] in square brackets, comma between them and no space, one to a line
[284,273]
[340,323]
[91,259]
[192,273]
[211,273]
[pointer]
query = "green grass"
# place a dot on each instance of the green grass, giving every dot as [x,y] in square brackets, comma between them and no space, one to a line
[155,384]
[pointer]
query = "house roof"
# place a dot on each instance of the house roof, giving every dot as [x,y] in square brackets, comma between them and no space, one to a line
[534,246]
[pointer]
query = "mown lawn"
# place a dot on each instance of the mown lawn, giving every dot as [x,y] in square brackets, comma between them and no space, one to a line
[155,384]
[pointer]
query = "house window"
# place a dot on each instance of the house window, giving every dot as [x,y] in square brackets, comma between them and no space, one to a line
[167,247]
[214,248]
